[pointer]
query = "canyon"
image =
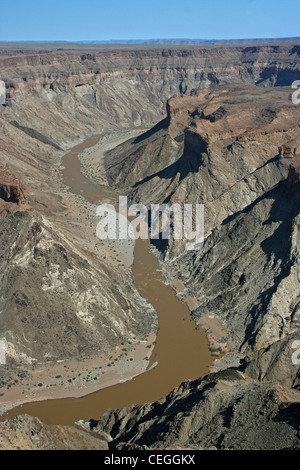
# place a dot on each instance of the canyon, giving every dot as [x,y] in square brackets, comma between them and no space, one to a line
[212,125]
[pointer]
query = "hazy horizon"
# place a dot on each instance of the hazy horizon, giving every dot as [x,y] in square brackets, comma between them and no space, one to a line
[154,39]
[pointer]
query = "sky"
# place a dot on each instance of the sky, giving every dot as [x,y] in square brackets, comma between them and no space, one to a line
[74,20]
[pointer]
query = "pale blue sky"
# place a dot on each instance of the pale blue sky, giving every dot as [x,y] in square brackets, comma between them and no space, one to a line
[132,19]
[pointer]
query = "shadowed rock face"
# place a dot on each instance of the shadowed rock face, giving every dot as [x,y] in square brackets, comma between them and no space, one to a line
[11,188]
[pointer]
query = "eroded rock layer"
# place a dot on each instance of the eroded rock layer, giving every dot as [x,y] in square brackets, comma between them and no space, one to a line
[236,150]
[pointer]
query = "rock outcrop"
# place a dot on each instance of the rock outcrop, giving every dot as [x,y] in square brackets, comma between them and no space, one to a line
[28,433]
[235,150]
[11,188]
[227,410]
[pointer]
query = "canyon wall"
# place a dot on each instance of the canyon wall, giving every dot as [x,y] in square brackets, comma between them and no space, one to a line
[55,98]
[234,148]
[224,148]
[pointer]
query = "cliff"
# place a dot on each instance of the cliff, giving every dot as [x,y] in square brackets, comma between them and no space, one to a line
[11,188]
[234,149]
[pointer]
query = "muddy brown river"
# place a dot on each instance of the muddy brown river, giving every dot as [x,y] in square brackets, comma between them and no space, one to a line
[181,351]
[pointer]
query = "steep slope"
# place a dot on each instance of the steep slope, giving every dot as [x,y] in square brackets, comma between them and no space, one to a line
[57,301]
[28,433]
[227,410]
[235,150]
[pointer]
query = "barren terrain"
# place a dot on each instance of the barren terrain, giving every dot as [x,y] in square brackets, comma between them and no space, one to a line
[225,134]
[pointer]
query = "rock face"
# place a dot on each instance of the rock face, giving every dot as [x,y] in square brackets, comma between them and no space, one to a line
[28,433]
[11,188]
[235,150]
[64,302]
[227,410]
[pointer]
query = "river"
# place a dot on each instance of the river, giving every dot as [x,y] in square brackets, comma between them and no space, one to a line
[181,351]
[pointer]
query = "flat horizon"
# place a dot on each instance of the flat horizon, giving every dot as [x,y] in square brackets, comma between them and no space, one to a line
[154,39]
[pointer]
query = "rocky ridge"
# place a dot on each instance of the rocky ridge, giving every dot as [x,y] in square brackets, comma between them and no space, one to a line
[235,150]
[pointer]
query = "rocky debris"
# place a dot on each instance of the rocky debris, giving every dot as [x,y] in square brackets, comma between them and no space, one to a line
[29,433]
[11,187]
[226,410]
